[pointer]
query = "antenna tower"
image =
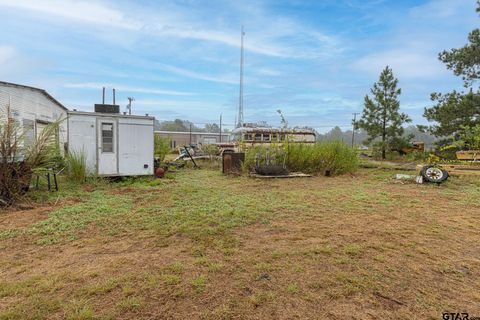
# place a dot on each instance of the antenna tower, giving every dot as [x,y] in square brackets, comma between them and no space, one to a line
[240,97]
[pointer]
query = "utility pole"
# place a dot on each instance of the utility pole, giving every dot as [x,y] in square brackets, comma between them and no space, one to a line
[240,96]
[220,135]
[129,106]
[190,133]
[353,129]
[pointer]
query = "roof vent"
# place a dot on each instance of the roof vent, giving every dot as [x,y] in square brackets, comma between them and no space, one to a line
[107,108]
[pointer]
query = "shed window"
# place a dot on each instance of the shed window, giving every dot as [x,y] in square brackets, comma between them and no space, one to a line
[107,137]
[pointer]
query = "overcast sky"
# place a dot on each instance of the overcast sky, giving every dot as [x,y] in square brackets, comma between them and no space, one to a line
[315,60]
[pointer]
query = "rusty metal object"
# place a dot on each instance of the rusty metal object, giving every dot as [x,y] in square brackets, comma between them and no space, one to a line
[271,170]
[159,172]
[232,162]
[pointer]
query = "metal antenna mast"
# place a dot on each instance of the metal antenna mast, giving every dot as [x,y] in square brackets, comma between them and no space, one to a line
[240,97]
[129,106]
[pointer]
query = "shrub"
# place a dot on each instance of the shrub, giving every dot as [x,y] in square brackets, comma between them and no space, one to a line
[18,159]
[76,166]
[161,147]
[333,156]
[211,150]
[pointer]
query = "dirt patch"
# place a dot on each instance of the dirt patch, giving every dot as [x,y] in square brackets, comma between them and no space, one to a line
[16,219]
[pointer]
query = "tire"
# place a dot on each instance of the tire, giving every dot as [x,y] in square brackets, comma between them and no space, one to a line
[434,174]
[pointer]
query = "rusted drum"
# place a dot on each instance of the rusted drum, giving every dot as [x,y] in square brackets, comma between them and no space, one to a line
[159,172]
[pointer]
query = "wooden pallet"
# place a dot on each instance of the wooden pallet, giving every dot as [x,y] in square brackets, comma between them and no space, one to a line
[462,169]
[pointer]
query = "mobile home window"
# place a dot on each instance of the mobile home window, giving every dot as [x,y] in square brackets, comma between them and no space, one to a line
[107,137]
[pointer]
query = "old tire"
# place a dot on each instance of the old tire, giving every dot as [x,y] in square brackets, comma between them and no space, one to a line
[434,174]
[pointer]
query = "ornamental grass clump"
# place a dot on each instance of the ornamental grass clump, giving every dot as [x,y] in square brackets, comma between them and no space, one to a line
[19,157]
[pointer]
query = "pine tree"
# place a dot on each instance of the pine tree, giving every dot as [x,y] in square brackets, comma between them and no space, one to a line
[381,117]
[456,110]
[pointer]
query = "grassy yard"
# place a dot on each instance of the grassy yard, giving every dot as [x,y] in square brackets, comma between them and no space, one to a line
[206,246]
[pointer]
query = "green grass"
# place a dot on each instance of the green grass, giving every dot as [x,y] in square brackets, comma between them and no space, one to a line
[293,288]
[79,310]
[199,208]
[130,304]
[226,247]
[199,283]
[102,287]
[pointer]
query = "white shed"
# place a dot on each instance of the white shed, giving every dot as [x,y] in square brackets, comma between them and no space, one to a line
[33,108]
[114,144]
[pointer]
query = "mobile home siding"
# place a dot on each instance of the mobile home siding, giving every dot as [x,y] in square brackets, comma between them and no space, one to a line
[30,107]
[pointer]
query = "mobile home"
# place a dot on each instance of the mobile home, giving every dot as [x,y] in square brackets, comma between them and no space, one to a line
[114,144]
[33,109]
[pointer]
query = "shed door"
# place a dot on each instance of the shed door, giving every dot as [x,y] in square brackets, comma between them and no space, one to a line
[107,147]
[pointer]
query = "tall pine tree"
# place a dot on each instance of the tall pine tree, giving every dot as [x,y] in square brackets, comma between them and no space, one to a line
[456,110]
[381,117]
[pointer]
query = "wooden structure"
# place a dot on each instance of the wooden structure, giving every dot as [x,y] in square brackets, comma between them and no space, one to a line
[468,155]
[460,169]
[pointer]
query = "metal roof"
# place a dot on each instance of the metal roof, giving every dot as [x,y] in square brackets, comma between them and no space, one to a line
[9,84]
[193,132]
[272,130]
[110,115]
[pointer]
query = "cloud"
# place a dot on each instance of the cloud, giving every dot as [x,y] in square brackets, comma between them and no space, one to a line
[6,54]
[84,11]
[196,75]
[411,47]
[406,63]
[269,39]
[97,86]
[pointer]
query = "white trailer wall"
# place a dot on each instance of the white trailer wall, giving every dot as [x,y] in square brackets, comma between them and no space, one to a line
[132,139]
[82,139]
[135,146]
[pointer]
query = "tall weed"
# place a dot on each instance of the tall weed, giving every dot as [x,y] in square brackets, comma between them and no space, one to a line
[76,165]
[334,157]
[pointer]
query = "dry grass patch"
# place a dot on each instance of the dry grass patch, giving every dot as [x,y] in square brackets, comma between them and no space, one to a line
[205,246]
